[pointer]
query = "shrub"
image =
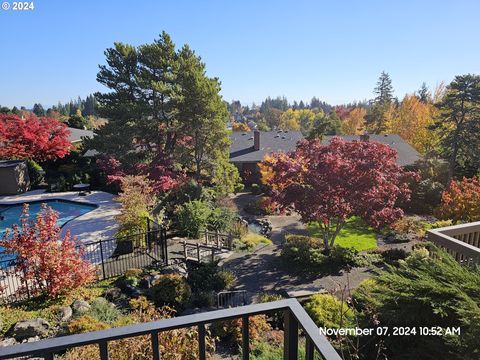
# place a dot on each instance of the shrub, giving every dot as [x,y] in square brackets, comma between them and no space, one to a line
[35,173]
[392,256]
[54,264]
[328,311]
[136,197]
[238,229]
[192,217]
[303,250]
[175,344]
[103,311]
[86,323]
[461,201]
[276,318]
[411,225]
[171,290]
[256,189]
[426,196]
[231,330]
[251,240]
[208,277]
[428,288]
[203,299]
[343,255]
[221,219]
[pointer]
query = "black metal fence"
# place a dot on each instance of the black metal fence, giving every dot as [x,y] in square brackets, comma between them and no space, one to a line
[232,298]
[295,318]
[111,257]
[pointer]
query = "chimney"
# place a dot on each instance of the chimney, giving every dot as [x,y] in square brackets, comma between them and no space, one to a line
[256,140]
[365,136]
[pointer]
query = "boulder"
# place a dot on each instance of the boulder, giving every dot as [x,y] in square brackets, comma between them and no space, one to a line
[113,294]
[25,329]
[8,342]
[65,313]
[80,306]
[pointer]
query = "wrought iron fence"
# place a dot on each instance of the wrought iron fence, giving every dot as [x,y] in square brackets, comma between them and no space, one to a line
[111,257]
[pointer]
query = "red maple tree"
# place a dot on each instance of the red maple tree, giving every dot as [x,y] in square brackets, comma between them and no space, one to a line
[32,137]
[331,183]
[45,262]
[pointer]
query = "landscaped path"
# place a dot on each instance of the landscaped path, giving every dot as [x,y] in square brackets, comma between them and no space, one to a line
[259,272]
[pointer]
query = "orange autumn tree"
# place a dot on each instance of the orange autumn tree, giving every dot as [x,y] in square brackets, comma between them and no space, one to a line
[461,201]
[411,120]
[238,126]
[45,262]
[354,122]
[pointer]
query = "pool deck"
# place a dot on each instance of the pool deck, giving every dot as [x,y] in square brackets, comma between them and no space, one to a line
[98,224]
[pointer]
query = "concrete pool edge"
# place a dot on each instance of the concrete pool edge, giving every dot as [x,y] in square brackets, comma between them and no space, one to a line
[97,224]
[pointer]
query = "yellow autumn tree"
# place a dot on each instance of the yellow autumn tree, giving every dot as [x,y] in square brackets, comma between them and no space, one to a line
[411,120]
[289,120]
[354,122]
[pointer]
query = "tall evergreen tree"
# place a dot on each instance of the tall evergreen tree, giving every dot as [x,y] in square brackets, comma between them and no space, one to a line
[459,124]
[423,94]
[162,105]
[375,119]
[38,110]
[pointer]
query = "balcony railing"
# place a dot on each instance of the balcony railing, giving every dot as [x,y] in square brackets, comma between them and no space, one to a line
[460,241]
[295,318]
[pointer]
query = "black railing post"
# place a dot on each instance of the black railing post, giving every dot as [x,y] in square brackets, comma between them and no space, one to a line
[155,345]
[309,349]
[103,350]
[202,351]
[290,336]
[245,338]
[102,259]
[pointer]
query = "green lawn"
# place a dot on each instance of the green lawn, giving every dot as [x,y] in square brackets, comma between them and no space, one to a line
[355,235]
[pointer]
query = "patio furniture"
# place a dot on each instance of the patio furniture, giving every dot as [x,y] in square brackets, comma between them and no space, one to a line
[82,189]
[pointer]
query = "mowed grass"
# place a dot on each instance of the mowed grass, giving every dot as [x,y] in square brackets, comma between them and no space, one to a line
[355,235]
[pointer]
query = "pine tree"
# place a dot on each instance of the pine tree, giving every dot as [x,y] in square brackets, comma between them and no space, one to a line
[38,110]
[423,94]
[383,90]
[375,119]
[459,124]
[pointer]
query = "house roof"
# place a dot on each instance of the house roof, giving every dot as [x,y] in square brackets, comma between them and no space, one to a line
[77,134]
[242,151]
[407,155]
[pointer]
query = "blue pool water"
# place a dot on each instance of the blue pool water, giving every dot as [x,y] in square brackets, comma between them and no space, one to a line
[67,210]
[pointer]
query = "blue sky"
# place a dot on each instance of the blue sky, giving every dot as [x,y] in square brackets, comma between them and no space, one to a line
[334,50]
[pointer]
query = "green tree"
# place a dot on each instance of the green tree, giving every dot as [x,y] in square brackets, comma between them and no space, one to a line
[375,119]
[459,124]
[202,115]
[77,121]
[161,103]
[424,94]
[38,110]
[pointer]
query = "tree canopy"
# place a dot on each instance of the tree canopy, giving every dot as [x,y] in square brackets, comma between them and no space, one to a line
[162,105]
[331,183]
[32,137]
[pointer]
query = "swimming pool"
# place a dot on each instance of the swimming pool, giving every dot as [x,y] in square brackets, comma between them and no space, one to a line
[67,210]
